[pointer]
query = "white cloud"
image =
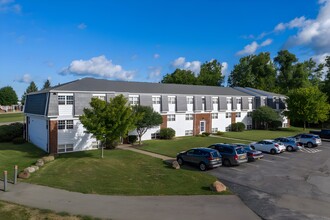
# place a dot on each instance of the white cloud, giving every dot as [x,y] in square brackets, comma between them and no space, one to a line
[26,78]
[224,68]
[320,58]
[82,26]
[154,72]
[252,48]
[194,66]
[97,66]
[156,55]
[10,6]
[295,23]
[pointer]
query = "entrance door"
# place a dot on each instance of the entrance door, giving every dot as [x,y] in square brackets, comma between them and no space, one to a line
[202,126]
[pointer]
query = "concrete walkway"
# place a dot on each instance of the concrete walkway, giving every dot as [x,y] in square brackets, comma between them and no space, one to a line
[236,139]
[129,207]
[129,147]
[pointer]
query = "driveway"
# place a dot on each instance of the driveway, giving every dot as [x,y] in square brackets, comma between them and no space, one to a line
[292,185]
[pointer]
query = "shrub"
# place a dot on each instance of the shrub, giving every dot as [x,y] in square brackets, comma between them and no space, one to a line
[167,133]
[206,134]
[9,132]
[18,140]
[219,133]
[132,139]
[239,126]
[275,125]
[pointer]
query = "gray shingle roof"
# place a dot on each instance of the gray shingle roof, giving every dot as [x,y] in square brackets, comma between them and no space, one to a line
[102,85]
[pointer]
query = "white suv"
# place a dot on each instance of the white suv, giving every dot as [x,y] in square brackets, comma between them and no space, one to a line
[309,140]
[269,146]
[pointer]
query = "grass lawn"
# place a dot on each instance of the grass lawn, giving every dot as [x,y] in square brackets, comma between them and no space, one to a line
[14,211]
[22,155]
[256,135]
[11,117]
[172,147]
[120,172]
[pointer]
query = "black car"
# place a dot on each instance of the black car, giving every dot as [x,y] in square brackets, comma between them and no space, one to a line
[203,157]
[231,154]
[251,153]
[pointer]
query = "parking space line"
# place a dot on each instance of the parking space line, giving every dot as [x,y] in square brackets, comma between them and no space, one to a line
[269,161]
[236,169]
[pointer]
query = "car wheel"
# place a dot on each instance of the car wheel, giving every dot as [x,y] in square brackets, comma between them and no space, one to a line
[289,148]
[226,163]
[180,161]
[273,151]
[202,166]
[309,144]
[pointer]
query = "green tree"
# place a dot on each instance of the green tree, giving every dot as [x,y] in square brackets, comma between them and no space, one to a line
[307,105]
[31,88]
[285,64]
[180,76]
[256,71]
[149,119]
[326,86]
[46,84]
[8,96]
[210,74]
[265,116]
[109,121]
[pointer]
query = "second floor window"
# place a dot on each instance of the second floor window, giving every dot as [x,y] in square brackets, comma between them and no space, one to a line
[239,101]
[228,115]
[171,100]
[65,99]
[189,117]
[133,100]
[238,114]
[190,100]
[65,124]
[228,100]
[155,100]
[215,100]
[214,115]
[249,114]
[171,118]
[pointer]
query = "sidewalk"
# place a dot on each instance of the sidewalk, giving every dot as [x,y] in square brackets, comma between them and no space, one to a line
[228,207]
[236,139]
[129,147]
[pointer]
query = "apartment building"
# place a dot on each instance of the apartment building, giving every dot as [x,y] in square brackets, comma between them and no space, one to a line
[52,115]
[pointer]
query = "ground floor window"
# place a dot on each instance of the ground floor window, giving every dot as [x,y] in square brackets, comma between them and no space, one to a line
[214,130]
[238,114]
[95,144]
[228,128]
[155,136]
[62,148]
[188,132]
[228,115]
[249,127]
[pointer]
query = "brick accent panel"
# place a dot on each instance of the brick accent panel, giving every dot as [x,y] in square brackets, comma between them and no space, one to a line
[53,137]
[289,123]
[202,117]
[164,124]
[233,117]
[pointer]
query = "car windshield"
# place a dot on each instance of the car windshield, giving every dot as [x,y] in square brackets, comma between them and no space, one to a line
[248,148]
[240,150]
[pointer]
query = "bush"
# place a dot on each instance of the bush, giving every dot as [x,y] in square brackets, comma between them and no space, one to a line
[167,133]
[9,132]
[18,140]
[206,134]
[275,125]
[132,139]
[219,133]
[239,126]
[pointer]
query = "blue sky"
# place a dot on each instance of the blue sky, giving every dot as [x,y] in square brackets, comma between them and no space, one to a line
[144,40]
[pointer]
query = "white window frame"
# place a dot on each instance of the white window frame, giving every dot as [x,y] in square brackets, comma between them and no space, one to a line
[189,117]
[134,100]
[61,124]
[171,100]
[215,100]
[65,124]
[249,114]
[238,114]
[228,114]
[61,99]
[190,100]
[239,100]
[188,132]
[215,130]
[156,100]
[171,117]
[215,115]
[99,96]
[64,148]
[229,100]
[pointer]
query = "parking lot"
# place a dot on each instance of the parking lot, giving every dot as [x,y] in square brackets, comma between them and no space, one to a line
[291,185]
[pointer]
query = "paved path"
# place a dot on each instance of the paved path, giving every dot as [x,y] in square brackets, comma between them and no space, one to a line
[128,147]
[217,136]
[129,207]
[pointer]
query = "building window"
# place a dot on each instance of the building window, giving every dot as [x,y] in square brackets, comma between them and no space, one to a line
[238,114]
[249,114]
[190,100]
[155,100]
[215,100]
[61,100]
[101,97]
[61,124]
[214,130]
[239,100]
[69,124]
[189,117]
[228,128]
[171,100]
[133,100]
[249,127]
[170,117]
[228,100]
[188,132]
[228,115]
[69,100]
[214,115]
[155,136]
[95,144]
[62,148]
[250,101]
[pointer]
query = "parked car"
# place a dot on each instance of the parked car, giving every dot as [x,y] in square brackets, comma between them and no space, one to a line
[231,154]
[290,143]
[309,140]
[323,134]
[269,146]
[251,153]
[202,157]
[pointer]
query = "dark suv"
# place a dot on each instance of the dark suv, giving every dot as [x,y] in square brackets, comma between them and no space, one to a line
[231,154]
[203,157]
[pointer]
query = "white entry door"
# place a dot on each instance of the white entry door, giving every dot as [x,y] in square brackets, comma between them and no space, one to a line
[202,126]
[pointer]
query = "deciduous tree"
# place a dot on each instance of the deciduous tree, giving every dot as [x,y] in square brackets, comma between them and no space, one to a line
[210,74]
[8,96]
[180,76]
[265,116]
